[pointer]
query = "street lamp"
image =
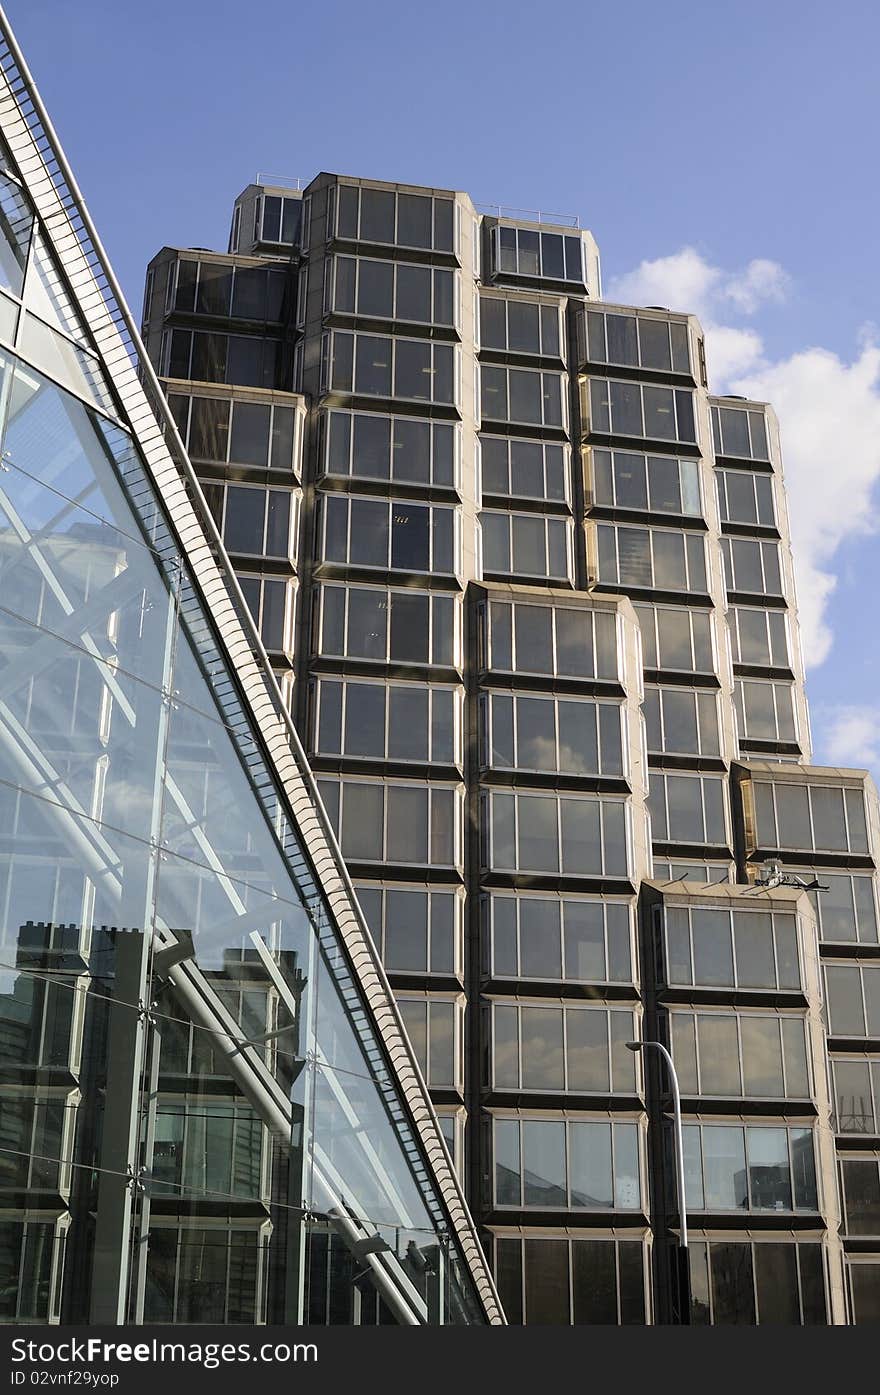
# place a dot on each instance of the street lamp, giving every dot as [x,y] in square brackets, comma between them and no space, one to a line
[683,1259]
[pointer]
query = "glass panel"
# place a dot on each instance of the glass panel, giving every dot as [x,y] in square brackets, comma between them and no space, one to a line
[762,1058]
[592,1184]
[543,1153]
[16,223]
[724,1165]
[233,875]
[594,1282]
[719,1055]
[713,960]
[588,1062]
[769,1174]
[546,1282]
[542,1049]
[733,1294]
[539,931]
[776,1280]
[853,1101]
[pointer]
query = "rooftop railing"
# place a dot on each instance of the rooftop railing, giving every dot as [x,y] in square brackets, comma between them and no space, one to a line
[529,215]
[280,181]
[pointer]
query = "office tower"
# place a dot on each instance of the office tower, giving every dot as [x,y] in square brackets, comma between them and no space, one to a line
[209,1111]
[528,590]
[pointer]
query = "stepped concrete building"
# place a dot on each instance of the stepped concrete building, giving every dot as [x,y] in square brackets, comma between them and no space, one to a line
[209,1109]
[527,590]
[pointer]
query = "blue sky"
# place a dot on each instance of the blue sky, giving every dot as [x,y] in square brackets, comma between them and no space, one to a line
[745,132]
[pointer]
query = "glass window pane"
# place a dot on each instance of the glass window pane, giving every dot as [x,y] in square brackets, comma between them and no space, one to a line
[375,289]
[724,1168]
[407,824]
[713,960]
[861,1182]
[853,1100]
[592,1184]
[414,222]
[627,1182]
[574,642]
[372,374]
[855,814]
[753,939]
[508,1276]
[543,1155]
[733,1294]
[502,911]
[523,327]
[719,1055]
[803,1167]
[595,1281]
[762,1056]
[414,284]
[769,1174]
[654,342]
[776,1281]
[16,223]
[846,1012]
[372,445]
[538,834]
[588,1061]
[546,1282]
[829,824]
[245,514]
[529,545]
[540,950]
[367,623]
[377,215]
[410,537]
[684,1052]
[362,808]
[665,483]
[630,481]
[209,425]
[813,1306]
[659,413]
[410,628]
[406,930]
[507,1163]
[364,719]
[669,561]
[794,1054]
[626,408]
[525,396]
[582,846]
[622,341]
[527,469]
[542,1050]
[368,541]
[533,629]
[249,443]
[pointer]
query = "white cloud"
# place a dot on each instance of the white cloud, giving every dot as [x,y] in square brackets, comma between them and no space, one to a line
[852,736]
[731,350]
[828,409]
[829,415]
[686,281]
[761,281]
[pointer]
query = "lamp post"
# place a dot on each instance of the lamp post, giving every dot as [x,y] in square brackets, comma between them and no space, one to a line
[684,1286]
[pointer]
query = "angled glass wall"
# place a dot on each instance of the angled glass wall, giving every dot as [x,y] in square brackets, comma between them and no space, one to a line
[198,1117]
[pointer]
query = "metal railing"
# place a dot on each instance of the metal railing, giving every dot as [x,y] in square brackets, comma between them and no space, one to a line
[280,181]
[529,215]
